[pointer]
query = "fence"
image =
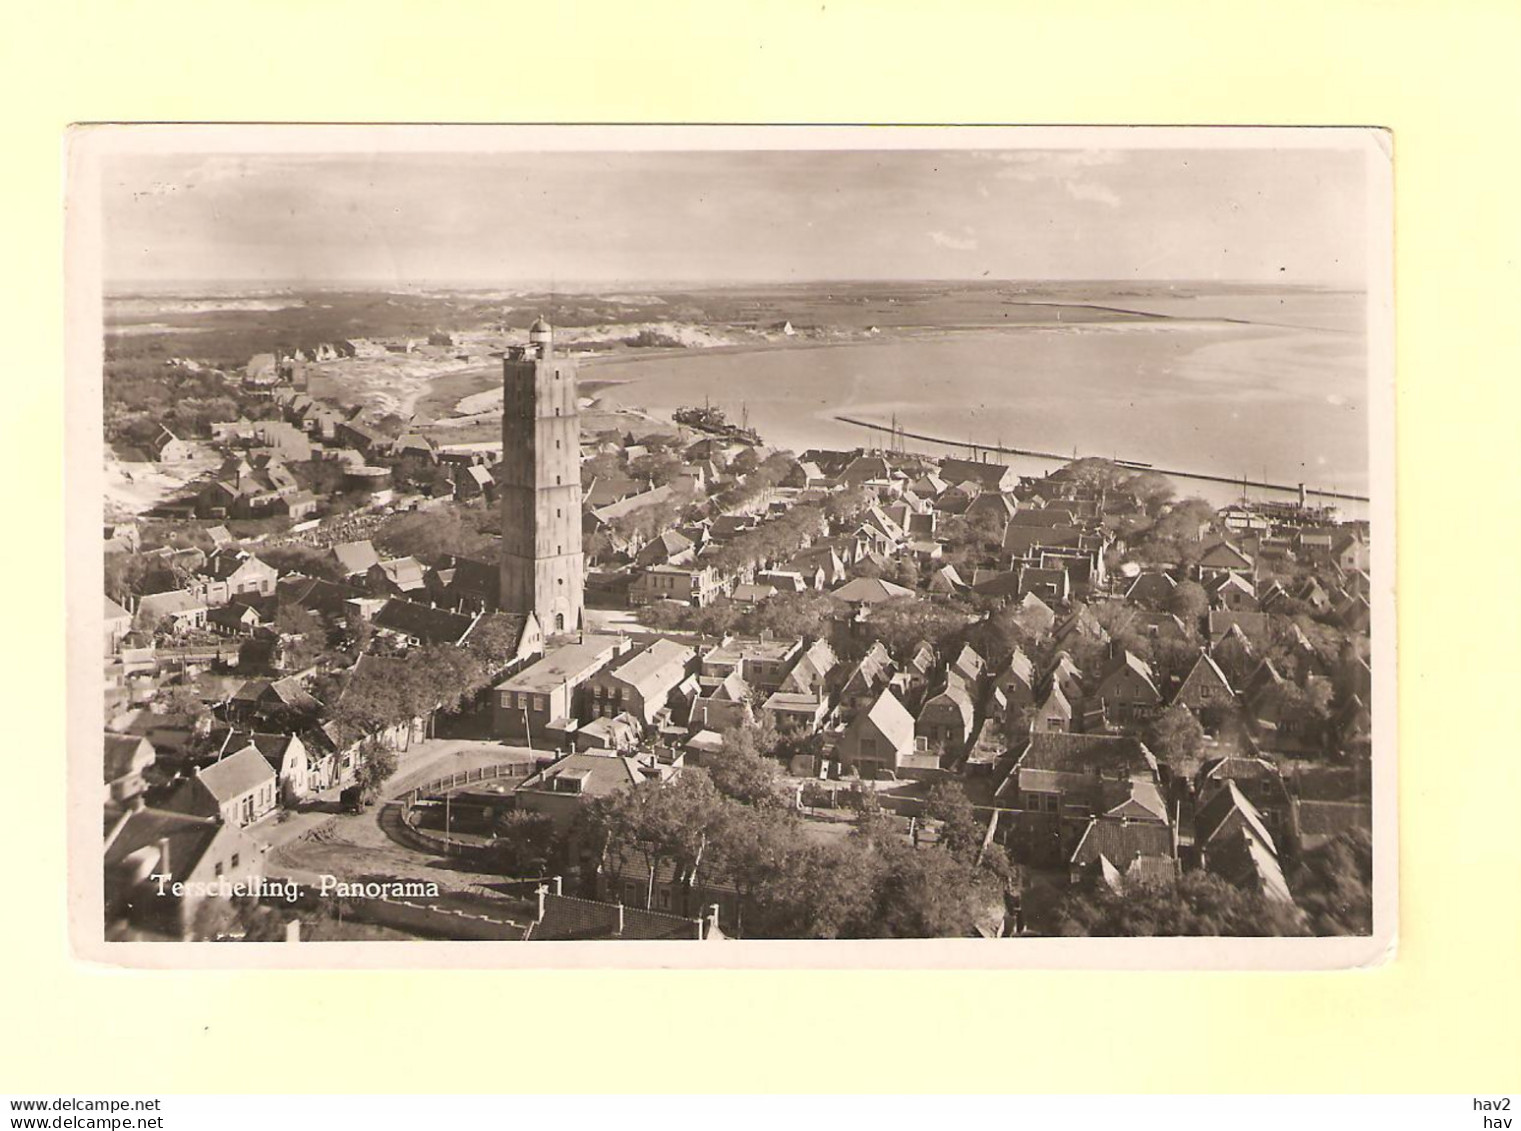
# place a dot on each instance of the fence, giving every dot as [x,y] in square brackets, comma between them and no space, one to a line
[426,840]
[444,922]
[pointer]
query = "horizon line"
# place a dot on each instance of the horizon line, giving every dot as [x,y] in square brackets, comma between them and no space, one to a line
[550,286]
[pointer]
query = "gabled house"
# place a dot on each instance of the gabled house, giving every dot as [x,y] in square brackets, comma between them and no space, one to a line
[233,573]
[1224,557]
[1123,853]
[397,577]
[1128,690]
[546,693]
[879,739]
[1232,840]
[969,666]
[945,720]
[1254,626]
[158,864]
[1080,626]
[175,611]
[279,701]
[1205,688]
[1052,585]
[239,789]
[870,591]
[724,706]
[946,581]
[1233,591]
[1054,714]
[1061,782]
[1033,615]
[412,624]
[639,684]
[995,477]
[166,447]
[1017,681]
[1235,655]
[118,622]
[126,758]
[667,548]
[354,558]
[1151,587]
[1259,781]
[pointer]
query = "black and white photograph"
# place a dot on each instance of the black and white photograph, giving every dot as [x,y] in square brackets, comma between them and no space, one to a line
[978,537]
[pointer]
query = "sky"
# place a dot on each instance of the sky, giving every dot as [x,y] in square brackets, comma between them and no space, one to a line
[503,219]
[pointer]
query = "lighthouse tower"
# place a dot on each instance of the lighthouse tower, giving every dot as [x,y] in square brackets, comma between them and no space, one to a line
[540,486]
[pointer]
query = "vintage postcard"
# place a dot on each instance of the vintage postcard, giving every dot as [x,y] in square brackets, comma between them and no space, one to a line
[714,547]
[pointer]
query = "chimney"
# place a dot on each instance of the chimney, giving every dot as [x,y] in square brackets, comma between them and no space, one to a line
[541,891]
[619,932]
[555,884]
[163,856]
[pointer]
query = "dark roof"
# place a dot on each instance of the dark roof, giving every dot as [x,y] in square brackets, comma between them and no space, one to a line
[316,594]
[423,622]
[121,750]
[1121,841]
[1072,753]
[1213,814]
[990,476]
[188,837]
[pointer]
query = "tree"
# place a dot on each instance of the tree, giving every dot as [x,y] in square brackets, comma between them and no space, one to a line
[1200,903]
[749,848]
[1176,738]
[305,560]
[182,699]
[930,893]
[1333,885]
[658,822]
[823,891]
[742,768]
[948,803]
[377,762]
[1188,602]
[427,534]
[904,621]
[526,840]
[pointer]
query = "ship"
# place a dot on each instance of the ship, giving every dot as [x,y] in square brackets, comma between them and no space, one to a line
[707,418]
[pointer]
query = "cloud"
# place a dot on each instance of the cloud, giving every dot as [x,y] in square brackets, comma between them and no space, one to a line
[955,243]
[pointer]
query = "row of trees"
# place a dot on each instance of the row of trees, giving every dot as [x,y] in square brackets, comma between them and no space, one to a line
[382,691]
[872,884]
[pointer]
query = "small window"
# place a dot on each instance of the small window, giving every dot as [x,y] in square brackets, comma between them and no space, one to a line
[234,860]
[219,868]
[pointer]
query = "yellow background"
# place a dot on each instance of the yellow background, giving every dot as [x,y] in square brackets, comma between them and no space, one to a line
[1445,1016]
